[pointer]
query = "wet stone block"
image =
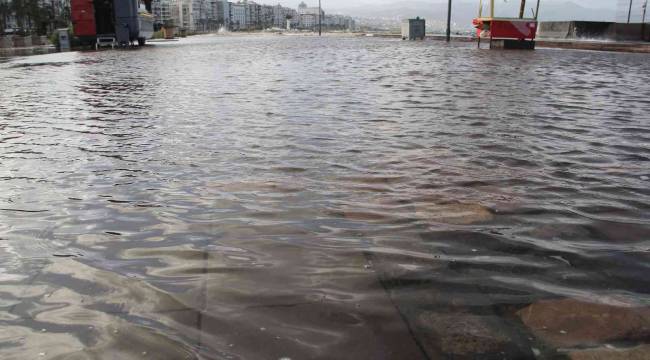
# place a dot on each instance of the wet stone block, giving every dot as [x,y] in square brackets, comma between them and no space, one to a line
[569,323]
[635,353]
[461,335]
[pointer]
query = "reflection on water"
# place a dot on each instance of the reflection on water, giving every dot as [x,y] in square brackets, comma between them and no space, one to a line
[267,197]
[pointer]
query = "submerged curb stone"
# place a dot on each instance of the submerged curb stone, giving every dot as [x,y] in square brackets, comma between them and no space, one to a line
[569,323]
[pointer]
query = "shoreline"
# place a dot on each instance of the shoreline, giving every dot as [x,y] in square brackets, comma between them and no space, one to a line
[593,45]
[590,45]
[26,51]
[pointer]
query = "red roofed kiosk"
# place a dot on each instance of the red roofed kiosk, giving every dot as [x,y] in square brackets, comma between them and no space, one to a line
[507,33]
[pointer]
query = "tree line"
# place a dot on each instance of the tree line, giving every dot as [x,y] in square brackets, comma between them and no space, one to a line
[34,17]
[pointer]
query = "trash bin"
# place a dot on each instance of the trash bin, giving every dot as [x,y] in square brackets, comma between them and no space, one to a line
[64,40]
[413,29]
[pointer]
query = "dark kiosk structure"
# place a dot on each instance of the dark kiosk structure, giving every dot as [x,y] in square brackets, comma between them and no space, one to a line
[107,22]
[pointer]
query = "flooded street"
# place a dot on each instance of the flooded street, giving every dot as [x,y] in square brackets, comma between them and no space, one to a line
[268,197]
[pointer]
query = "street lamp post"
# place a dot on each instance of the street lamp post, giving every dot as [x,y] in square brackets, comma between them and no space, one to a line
[449,21]
[645,7]
[629,12]
[320,23]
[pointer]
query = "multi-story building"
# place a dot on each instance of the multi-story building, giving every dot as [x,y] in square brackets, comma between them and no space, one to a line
[266,17]
[191,15]
[281,14]
[294,18]
[338,22]
[308,21]
[254,10]
[211,15]
[166,12]
[309,17]
[199,15]
[223,13]
[184,14]
[238,16]
[278,16]
[196,16]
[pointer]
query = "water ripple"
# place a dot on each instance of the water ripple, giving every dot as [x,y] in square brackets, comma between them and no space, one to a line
[292,197]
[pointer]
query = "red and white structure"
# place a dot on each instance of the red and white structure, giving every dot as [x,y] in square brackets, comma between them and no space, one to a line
[507,33]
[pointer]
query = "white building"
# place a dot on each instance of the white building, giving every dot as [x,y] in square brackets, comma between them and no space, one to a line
[238,16]
[309,17]
[281,14]
[339,22]
[210,15]
[224,13]
[184,14]
[199,15]
[308,21]
[278,16]
[166,12]
[266,17]
[253,11]
[214,13]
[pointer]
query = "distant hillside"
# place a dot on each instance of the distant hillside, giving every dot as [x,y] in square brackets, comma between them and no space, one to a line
[464,11]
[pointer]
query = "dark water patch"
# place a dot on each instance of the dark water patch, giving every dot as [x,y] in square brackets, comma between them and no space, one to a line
[36,65]
[23,210]
[290,169]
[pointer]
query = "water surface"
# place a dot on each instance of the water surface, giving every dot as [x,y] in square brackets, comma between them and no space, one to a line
[266,197]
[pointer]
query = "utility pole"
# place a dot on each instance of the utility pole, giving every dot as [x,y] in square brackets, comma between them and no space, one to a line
[320,23]
[645,7]
[629,12]
[522,9]
[449,21]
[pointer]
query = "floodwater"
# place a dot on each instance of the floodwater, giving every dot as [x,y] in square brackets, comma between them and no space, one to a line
[289,197]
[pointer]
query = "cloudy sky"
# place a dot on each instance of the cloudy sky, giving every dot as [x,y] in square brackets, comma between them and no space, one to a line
[354,3]
[594,10]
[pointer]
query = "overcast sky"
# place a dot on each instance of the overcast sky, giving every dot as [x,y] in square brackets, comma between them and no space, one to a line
[341,4]
[465,10]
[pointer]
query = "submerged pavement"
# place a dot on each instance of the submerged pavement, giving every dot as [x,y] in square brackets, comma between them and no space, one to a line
[256,197]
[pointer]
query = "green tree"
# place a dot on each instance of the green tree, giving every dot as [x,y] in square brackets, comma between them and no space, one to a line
[5,10]
[31,16]
[19,10]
